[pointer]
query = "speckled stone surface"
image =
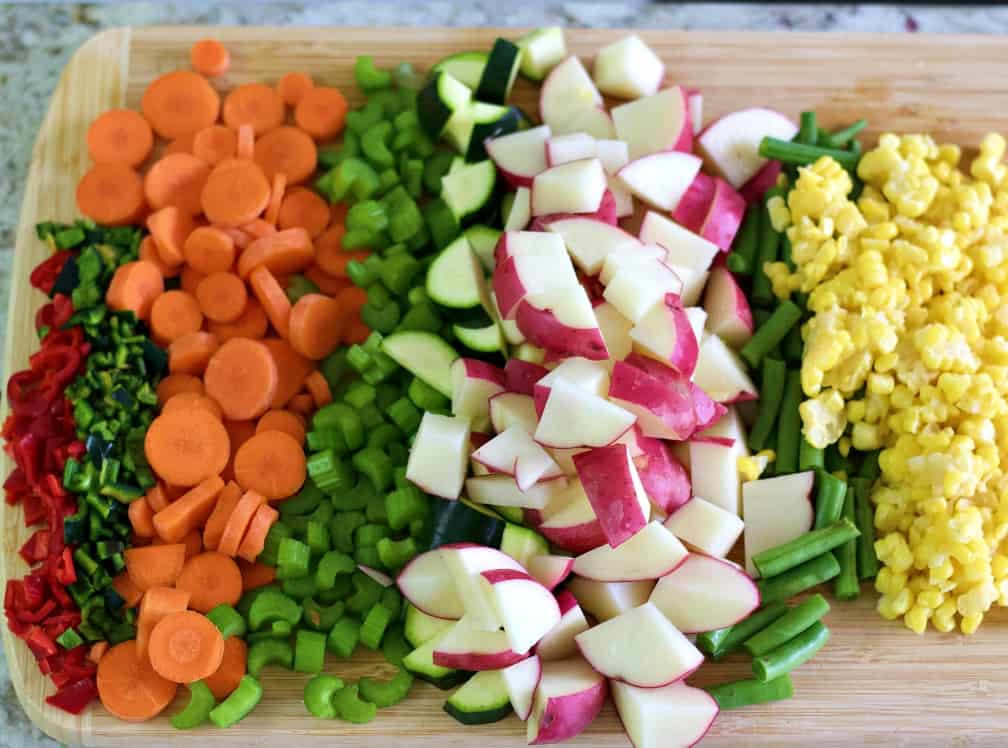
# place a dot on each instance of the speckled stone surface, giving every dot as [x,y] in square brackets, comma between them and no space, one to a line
[37,40]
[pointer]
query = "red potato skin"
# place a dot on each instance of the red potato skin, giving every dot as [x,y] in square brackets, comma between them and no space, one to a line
[575,538]
[724,216]
[606,212]
[521,376]
[671,404]
[662,475]
[543,329]
[476,661]
[754,190]
[568,716]
[706,411]
[476,369]
[508,287]
[695,204]
[566,600]
[552,583]
[606,478]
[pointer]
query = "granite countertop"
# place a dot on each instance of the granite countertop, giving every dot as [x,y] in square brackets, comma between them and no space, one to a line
[37,40]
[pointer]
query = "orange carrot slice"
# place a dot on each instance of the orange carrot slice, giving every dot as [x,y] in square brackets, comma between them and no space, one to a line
[185,647]
[209,57]
[111,194]
[235,192]
[128,686]
[211,579]
[254,104]
[287,150]
[321,112]
[187,447]
[189,511]
[292,86]
[120,136]
[238,522]
[271,463]
[174,314]
[134,288]
[154,565]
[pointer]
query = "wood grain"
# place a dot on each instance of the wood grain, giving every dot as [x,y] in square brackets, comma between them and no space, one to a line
[875,683]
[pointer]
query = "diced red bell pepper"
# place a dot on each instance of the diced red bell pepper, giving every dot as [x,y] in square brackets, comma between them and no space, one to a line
[44,276]
[75,697]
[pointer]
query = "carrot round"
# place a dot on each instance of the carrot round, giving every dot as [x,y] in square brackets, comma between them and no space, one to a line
[128,686]
[283,420]
[120,136]
[339,212]
[211,579]
[252,323]
[148,251]
[235,192]
[271,463]
[157,499]
[318,386]
[321,112]
[111,194]
[141,518]
[186,447]
[254,104]
[157,603]
[328,284]
[193,401]
[170,227]
[356,331]
[255,575]
[174,314]
[181,144]
[154,565]
[276,197]
[189,279]
[227,677]
[304,208]
[287,150]
[193,542]
[273,299]
[280,252]
[303,404]
[190,353]
[242,377]
[209,250]
[134,288]
[316,324]
[209,57]
[292,369]
[179,103]
[246,142]
[255,536]
[239,432]
[222,297]
[238,522]
[127,590]
[185,647]
[97,651]
[330,255]
[257,228]
[352,299]
[177,179]
[214,527]
[215,143]
[190,510]
[293,85]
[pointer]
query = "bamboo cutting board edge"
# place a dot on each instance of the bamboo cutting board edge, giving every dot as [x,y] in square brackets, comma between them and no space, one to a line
[872,684]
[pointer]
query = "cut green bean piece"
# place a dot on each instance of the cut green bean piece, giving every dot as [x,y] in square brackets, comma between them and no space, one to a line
[768,249]
[781,558]
[788,626]
[810,457]
[386,693]
[318,695]
[771,393]
[197,711]
[228,620]
[720,642]
[742,258]
[269,652]
[789,425]
[785,316]
[800,578]
[236,706]
[867,559]
[808,130]
[800,154]
[788,656]
[840,138]
[847,586]
[870,469]
[749,692]
[829,503]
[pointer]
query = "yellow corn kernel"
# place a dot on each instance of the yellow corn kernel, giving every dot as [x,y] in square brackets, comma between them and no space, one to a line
[916,619]
[969,624]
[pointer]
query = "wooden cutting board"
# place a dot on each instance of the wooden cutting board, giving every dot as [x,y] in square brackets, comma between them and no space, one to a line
[875,683]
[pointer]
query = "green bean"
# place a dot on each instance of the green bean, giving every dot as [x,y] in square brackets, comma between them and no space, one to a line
[720,642]
[791,654]
[870,467]
[771,392]
[748,692]
[846,586]
[789,425]
[840,138]
[742,258]
[781,558]
[800,578]
[867,559]
[830,492]
[318,695]
[809,457]
[793,347]
[807,131]
[767,250]
[800,154]
[788,626]
[771,332]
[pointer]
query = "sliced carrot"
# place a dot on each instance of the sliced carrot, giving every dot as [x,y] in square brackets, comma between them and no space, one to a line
[330,255]
[242,377]
[356,331]
[303,404]
[287,150]
[149,251]
[170,227]
[209,250]
[283,420]
[255,536]
[141,518]
[288,251]
[246,142]
[239,237]
[209,57]
[255,575]
[189,279]
[214,528]
[189,511]
[271,463]
[177,179]
[234,529]
[215,143]
[127,590]
[254,104]
[222,297]
[128,686]
[111,194]
[328,284]
[157,603]
[352,299]
[98,649]
[292,86]
[174,314]
[211,579]
[157,499]
[239,432]
[321,112]
[134,288]
[273,299]
[251,324]
[304,209]
[258,228]
[172,491]
[235,192]
[193,401]
[227,677]
[316,324]
[179,103]
[187,447]
[181,144]
[154,565]
[292,368]
[120,136]
[185,647]
[193,542]
[276,197]
[338,212]
[190,353]
[319,389]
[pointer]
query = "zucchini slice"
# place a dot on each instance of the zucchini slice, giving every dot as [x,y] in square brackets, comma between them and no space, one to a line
[483,699]
[500,72]
[420,662]
[420,628]
[455,278]
[483,240]
[467,67]
[469,191]
[542,50]
[487,339]
[424,355]
[439,99]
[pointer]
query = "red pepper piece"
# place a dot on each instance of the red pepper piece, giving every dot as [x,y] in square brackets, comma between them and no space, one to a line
[43,277]
[73,698]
